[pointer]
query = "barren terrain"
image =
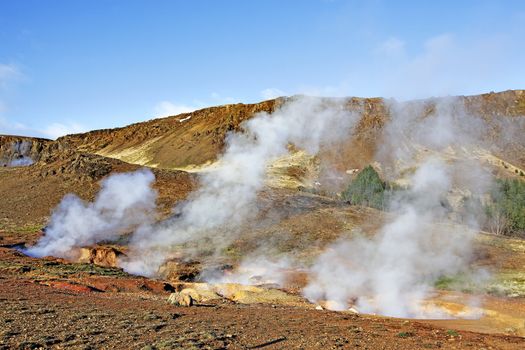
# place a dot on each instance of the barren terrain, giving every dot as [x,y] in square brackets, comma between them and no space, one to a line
[91,303]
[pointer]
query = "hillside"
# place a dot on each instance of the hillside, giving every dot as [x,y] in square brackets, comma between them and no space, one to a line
[198,137]
[258,255]
[192,140]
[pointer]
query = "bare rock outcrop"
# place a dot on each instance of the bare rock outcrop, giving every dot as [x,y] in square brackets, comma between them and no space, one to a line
[102,256]
[179,270]
[180,299]
[22,151]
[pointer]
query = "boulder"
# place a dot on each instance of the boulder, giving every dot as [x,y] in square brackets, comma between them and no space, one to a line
[102,256]
[179,270]
[245,294]
[201,292]
[180,299]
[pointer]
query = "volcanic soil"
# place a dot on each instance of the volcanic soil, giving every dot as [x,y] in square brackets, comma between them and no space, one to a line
[49,303]
[53,303]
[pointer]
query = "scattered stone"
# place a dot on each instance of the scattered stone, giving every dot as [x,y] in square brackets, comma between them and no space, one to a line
[157,327]
[71,287]
[102,256]
[148,347]
[201,292]
[179,299]
[29,345]
[69,337]
[178,270]
[357,329]
[353,310]
[50,340]
[151,317]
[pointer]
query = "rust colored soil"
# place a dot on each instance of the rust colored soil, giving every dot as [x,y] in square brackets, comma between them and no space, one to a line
[52,304]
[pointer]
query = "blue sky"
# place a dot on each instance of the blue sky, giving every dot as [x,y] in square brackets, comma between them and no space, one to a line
[70,66]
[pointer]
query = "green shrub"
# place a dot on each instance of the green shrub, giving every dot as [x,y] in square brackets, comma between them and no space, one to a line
[452,333]
[506,211]
[405,334]
[367,189]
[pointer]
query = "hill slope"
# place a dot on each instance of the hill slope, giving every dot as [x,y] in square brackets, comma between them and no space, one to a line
[198,137]
[75,163]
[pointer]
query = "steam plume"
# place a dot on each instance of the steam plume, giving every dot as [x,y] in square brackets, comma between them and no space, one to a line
[124,202]
[227,195]
[391,273]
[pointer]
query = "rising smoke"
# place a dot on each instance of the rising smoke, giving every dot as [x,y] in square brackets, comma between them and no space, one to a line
[392,273]
[21,161]
[226,197]
[125,202]
[389,274]
[19,155]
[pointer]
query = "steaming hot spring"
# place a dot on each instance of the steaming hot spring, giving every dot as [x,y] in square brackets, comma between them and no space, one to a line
[285,216]
[281,282]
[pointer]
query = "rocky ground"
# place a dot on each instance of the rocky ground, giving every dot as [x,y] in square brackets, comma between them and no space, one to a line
[54,304]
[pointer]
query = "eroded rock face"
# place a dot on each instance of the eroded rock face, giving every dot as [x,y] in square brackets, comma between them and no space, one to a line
[179,270]
[201,292]
[103,256]
[21,151]
[180,299]
[246,294]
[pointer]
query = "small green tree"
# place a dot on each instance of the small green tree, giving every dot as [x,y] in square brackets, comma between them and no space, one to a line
[366,189]
[506,212]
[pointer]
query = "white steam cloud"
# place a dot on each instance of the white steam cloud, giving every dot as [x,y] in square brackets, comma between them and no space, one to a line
[255,270]
[124,202]
[226,197]
[392,273]
[224,201]
[434,153]
[20,151]
[22,161]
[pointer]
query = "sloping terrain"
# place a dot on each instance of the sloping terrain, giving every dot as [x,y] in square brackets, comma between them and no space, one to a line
[29,193]
[54,304]
[198,137]
[187,139]
[299,211]
[194,140]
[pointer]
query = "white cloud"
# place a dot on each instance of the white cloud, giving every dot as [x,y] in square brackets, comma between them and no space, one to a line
[271,93]
[440,65]
[8,72]
[56,130]
[167,108]
[339,90]
[52,131]
[222,100]
[10,128]
[445,64]
[391,47]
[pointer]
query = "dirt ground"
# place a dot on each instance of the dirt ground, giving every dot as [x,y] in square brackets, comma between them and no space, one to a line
[49,303]
[52,303]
